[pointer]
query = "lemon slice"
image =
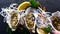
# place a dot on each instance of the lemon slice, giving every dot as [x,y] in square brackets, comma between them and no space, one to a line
[40,31]
[23,5]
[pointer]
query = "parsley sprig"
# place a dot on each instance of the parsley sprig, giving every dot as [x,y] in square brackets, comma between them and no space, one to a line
[9,30]
[47,29]
[34,3]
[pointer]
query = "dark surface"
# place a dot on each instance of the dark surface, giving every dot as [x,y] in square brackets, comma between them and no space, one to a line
[51,6]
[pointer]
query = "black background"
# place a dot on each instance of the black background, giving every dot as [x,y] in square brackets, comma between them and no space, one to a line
[51,6]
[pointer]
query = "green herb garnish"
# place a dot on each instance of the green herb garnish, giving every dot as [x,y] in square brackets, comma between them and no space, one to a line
[9,30]
[47,29]
[34,3]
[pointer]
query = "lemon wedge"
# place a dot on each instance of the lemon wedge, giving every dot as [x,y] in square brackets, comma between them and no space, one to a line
[40,31]
[23,5]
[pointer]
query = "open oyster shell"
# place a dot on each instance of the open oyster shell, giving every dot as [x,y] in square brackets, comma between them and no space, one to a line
[30,19]
[13,20]
[11,17]
[53,17]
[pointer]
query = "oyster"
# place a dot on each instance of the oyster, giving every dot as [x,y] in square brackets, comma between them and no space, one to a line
[30,20]
[55,19]
[14,20]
